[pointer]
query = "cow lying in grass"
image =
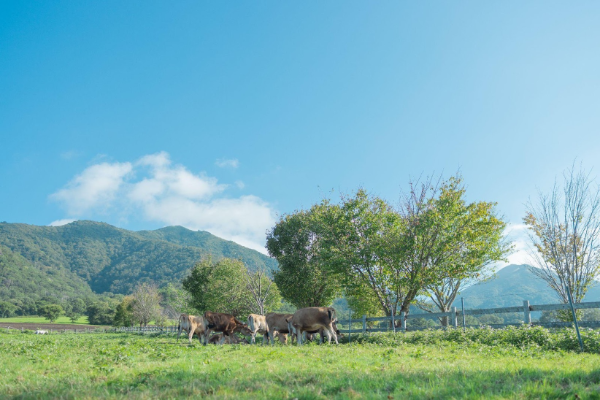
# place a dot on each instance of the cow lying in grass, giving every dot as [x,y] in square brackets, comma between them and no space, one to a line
[224,323]
[233,339]
[192,325]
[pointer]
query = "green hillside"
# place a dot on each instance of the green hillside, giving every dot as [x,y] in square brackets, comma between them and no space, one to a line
[24,283]
[512,285]
[211,244]
[110,259]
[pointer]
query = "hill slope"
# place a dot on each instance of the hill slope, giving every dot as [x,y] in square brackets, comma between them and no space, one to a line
[20,279]
[512,285]
[111,259]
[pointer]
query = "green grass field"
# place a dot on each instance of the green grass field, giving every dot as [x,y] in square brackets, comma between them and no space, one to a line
[138,367]
[41,320]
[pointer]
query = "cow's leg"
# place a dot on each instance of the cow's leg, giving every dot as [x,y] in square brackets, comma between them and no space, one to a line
[223,339]
[332,333]
[190,335]
[265,337]
[207,336]
[299,337]
[253,341]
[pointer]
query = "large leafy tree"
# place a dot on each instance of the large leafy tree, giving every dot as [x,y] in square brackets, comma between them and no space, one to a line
[472,240]
[222,286]
[51,311]
[297,242]
[565,231]
[355,248]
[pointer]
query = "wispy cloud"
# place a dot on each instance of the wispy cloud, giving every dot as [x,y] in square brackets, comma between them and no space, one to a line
[227,163]
[69,155]
[61,222]
[156,189]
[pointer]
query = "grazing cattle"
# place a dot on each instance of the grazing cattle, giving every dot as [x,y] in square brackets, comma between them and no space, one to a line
[258,324]
[214,339]
[40,332]
[192,325]
[277,325]
[224,323]
[313,319]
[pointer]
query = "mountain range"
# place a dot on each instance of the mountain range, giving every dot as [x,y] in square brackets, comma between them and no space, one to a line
[86,256]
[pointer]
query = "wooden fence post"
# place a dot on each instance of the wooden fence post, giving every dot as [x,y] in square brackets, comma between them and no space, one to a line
[453,316]
[365,323]
[526,312]
[403,320]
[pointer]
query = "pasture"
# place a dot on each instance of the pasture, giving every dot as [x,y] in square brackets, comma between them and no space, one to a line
[43,321]
[522,363]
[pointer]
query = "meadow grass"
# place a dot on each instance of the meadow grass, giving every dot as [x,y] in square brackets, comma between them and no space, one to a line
[143,367]
[41,320]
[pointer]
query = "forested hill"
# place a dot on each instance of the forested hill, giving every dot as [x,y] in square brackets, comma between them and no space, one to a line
[110,259]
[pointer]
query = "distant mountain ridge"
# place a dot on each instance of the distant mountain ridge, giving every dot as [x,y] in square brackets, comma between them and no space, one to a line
[511,285]
[111,259]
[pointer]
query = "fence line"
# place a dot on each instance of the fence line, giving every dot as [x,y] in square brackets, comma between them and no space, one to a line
[455,313]
[452,315]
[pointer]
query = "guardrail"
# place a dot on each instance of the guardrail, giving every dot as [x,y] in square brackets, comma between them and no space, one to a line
[454,314]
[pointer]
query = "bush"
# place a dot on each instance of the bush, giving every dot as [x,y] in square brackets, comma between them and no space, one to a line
[519,337]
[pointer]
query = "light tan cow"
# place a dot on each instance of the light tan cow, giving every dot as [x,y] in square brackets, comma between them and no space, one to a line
[277,326]
[258,324]
[312,319]
[192,325]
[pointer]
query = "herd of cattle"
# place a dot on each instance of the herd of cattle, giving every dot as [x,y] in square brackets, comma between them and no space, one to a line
[304,324]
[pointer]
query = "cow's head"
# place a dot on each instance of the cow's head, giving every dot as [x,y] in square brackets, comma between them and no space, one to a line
[243,329]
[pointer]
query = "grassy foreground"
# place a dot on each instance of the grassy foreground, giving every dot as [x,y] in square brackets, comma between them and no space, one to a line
[131,366]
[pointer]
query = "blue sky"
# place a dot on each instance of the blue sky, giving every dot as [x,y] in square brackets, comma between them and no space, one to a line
[222,115]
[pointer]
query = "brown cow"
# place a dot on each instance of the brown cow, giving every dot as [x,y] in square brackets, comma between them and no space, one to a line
[225,323]
[192,325]
[233,339]
[277,325]
[312,319]
[258,324]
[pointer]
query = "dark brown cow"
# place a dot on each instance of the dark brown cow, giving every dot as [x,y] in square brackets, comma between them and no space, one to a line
[277,325]
[224,323]
[192,325]
[313,319]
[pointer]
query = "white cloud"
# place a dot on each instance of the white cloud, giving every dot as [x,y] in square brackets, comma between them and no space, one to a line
[61,222]
[240,184]
[156,189]
[518,235]
[225,163]
[94,188]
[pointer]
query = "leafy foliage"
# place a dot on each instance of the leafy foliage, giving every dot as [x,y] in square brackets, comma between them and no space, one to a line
[297,242]
[221,286]
[51,311]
